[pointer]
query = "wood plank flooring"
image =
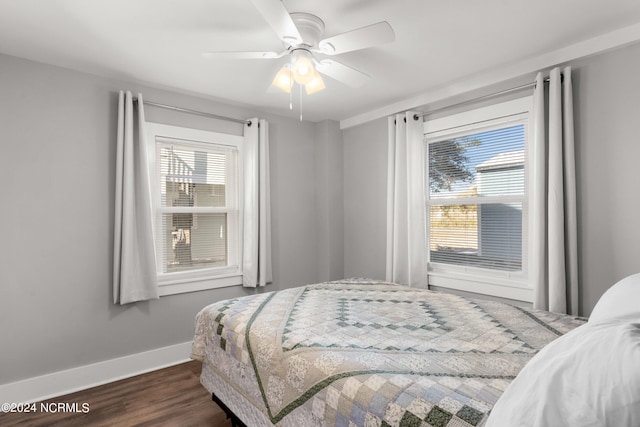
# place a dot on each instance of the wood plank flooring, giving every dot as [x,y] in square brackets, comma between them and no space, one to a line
[167,397]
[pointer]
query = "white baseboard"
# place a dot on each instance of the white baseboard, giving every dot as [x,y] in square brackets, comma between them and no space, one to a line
[71,380]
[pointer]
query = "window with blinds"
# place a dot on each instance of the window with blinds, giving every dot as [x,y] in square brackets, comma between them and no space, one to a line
[197,212]
[196,192]
[476,198]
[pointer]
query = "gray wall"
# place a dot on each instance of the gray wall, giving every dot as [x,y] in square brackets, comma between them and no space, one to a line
[607,120]
[606,91]
[57,173]
[329,201]
[365,200]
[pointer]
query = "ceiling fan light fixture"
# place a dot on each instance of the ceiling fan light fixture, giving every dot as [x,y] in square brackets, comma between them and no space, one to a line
[302,68]
[283,80]
[309,78]
[316,84]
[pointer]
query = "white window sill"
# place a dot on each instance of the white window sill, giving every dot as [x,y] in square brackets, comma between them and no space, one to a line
[174,287]
[503,287]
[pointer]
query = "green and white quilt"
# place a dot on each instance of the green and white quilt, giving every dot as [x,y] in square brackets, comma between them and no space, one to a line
[365,353]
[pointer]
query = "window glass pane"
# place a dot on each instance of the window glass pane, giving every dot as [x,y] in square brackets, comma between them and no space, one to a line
[193,241]
[482,164]
[183,194]
[487,235]
[468,224]
[191,178]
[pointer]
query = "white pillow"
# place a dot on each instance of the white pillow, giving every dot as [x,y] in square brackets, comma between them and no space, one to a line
[621,299]
[588,377]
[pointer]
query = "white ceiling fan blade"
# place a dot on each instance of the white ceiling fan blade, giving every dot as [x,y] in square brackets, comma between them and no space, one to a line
[243,55]
[277,16]
[342,73]
[361,38]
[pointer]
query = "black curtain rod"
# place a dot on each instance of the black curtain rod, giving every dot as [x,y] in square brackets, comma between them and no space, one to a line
[198,113]
[479,98]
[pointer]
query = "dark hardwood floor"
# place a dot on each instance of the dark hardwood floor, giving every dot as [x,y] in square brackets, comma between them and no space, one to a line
[168,397]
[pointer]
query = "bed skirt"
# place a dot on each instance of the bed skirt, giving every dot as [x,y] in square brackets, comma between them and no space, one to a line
[241,407]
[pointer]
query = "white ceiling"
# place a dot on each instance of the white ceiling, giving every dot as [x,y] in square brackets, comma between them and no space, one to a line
[437,42]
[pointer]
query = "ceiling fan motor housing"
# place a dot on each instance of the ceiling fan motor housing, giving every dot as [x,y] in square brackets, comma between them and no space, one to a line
[310,27]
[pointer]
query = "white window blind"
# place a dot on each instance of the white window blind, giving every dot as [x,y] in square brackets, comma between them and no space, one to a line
[197,217]
[477,195]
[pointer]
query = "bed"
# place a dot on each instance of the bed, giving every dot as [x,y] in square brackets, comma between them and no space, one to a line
[366,353]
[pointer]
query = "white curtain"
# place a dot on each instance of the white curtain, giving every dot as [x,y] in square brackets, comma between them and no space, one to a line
[256,259]
[554,265]
[134,261]
[406,232]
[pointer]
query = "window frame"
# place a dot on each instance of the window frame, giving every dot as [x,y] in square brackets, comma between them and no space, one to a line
[503,284]
[208,278]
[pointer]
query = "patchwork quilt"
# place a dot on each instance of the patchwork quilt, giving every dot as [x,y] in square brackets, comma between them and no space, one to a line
[365,353]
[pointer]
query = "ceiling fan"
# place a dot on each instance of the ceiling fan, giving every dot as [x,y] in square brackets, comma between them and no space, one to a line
[301,34]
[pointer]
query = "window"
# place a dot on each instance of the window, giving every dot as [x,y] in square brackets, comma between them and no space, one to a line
[196,194]
[478,200]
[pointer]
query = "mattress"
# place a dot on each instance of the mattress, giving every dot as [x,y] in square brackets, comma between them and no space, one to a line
[366,353]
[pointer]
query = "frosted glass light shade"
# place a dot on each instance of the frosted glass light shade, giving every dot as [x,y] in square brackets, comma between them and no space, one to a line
[303,70]
[316,84]
[283,80]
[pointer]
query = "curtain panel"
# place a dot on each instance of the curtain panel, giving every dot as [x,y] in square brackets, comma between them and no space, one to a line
[134,260]
[406,233]
[256,259]
[554,258]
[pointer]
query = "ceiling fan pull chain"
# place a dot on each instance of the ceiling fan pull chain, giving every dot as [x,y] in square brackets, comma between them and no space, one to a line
[290,89]
[300,86]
